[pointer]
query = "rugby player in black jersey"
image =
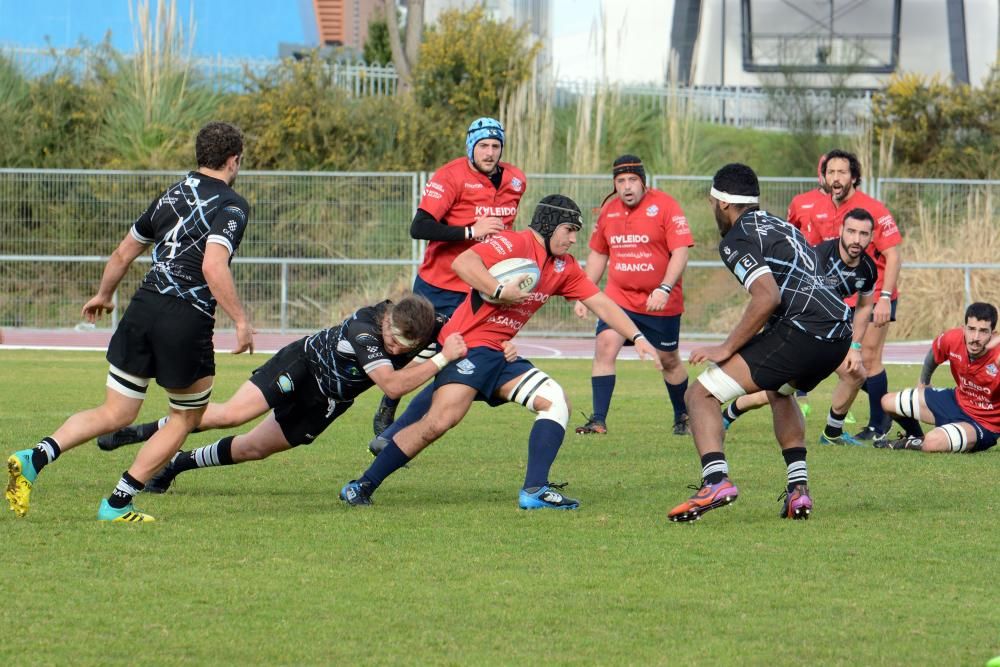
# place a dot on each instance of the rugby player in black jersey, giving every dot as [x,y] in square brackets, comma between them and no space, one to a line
[311,382]
[794,332]
[195,227]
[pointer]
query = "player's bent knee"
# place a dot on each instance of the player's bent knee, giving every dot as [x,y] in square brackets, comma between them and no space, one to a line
[958,439]
[719,385]
[541,394]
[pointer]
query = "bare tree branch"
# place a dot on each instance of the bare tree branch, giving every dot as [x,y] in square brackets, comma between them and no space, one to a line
[405,60]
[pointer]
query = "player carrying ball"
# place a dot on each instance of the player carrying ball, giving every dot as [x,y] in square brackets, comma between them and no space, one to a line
[485,374]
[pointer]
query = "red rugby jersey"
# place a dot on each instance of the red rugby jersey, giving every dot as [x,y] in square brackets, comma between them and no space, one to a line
[884,236]
[811,210]
[457,194]
[638,242]
[492,324]
[977,381]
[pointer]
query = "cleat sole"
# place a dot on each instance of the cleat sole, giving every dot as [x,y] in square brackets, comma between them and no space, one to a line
[15,484]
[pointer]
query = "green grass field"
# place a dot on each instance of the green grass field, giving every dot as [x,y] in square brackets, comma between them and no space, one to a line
[261,564]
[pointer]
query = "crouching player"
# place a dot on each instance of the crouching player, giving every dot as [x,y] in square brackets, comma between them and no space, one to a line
[311,382]
[485,374]
[966,418]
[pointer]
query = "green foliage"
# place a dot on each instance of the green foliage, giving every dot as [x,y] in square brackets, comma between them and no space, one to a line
[377,49]
[939,129]
[467,62]
[297,118]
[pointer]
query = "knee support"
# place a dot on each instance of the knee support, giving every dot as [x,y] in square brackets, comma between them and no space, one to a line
[189,401]
[958,441]
[129,386]
[537,384]
[720,385]
[908,403]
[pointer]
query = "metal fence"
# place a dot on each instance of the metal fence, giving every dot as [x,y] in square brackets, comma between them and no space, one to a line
[822,111]
[322,244]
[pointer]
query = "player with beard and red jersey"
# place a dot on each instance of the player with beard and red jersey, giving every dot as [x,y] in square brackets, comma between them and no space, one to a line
[465,202]
[486,374]
[642,239]
[966,417]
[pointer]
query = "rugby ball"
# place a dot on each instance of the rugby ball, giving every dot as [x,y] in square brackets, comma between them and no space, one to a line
[509,269]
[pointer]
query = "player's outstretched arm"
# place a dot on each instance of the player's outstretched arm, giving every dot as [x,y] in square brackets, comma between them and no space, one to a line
[215,268]
[395,384]
[609,311]
[114,271]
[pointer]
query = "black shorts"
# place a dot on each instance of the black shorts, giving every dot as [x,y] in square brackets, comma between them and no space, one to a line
[163,337]
[783,355]
[290,389]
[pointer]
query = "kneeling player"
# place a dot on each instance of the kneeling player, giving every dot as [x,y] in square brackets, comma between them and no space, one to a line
[966,417]
[309,383]
[485,374]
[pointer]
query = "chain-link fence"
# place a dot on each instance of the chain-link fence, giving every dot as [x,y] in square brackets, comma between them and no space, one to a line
[321,244]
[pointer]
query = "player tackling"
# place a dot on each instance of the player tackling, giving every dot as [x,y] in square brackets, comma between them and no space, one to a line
[485,374]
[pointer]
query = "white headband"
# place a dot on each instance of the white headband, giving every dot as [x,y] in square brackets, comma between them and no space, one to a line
[733,199]
[400,338]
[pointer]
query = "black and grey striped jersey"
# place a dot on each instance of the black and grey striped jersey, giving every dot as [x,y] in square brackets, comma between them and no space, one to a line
[191,213]
[341,357]
[760,243]
[846,280]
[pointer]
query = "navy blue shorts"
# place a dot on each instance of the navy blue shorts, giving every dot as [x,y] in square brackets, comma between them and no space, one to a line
[444,301]
[661,332]
[944,405]
[485,370]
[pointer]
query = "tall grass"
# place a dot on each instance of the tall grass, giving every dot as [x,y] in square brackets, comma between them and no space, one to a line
[158,101]
[935,298]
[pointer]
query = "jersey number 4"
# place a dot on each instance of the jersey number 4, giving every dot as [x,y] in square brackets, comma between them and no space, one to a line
[171,238]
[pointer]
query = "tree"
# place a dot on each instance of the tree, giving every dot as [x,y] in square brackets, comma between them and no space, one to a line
[377,48]
[405,57]
[468,61]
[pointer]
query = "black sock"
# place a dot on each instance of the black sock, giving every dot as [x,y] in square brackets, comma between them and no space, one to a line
[714,468]
[125,491]
[834,424]
[795,461]
[732,412]
[910,425]
[44,453]
[219,453]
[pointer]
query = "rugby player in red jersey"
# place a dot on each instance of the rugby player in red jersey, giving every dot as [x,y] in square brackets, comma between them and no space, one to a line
[485,374]
[464,202]
[642,240]
[966,417]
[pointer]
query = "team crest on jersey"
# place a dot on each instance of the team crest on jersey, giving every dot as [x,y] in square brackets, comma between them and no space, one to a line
[516,184]
[285,384]
[366,339]
[991,370]
[652,210]
[559,265]
[859,283]
[466,367]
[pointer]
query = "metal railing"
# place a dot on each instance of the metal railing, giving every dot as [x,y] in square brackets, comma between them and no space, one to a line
[321,244]
[822,111]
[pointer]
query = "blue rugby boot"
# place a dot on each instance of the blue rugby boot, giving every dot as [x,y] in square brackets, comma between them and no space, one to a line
[546,497]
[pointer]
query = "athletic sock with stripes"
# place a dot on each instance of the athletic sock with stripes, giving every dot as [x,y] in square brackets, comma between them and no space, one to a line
[44,453]
[219,453]
[714,468]
[834,424]
[732,412]
[128,486]
[795,459]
